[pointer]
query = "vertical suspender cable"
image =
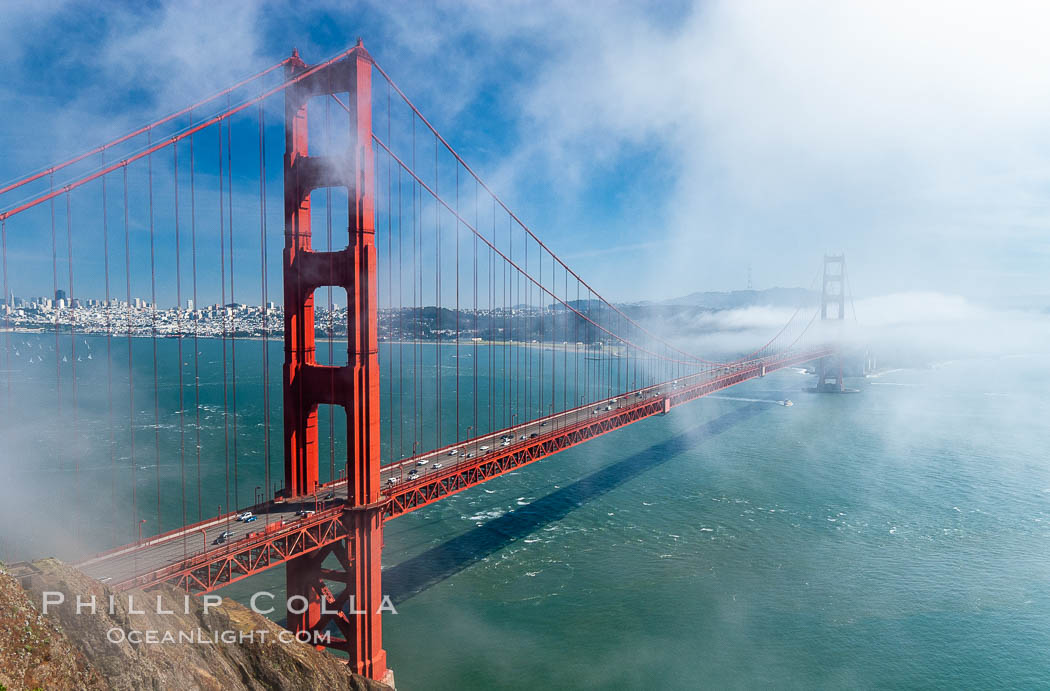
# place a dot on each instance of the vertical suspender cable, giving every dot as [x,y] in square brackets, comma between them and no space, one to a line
[131,372]
[7,314]
[475,336]
[109,347]
[54,294]
[331,280]
[437,299]
[416,311]
[223,308]
[390,283]
[400,320]
[456,235]
[233,297]
[153,330]
[179,334]
[72,330]
[196,328]
[265,307]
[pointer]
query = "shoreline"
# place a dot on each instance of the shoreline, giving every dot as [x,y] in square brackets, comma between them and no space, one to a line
[318,340]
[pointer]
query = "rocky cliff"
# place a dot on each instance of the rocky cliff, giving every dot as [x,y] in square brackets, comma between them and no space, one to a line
[133,642]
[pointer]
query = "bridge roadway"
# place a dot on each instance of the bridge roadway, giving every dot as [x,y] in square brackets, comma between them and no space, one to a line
[191,557]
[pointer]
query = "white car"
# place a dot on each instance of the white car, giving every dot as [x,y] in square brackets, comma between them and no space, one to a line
[391,481]
[453,452]
[438,466]
[423,461]
[484,448]
[244,515]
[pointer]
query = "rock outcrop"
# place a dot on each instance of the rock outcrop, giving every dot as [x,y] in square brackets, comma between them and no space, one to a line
[133,641]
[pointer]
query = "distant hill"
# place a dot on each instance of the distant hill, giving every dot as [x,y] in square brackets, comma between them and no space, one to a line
[773,297]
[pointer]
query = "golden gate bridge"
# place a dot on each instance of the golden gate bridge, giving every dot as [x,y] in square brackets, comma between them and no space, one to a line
[183,208]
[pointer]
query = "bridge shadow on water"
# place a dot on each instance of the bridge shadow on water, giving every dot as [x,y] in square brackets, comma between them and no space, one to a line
[415,575]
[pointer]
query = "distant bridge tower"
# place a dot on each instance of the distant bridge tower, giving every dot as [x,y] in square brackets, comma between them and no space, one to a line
[832,309]
[354,606]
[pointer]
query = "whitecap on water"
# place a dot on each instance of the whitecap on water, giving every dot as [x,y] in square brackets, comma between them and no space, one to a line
[487,515]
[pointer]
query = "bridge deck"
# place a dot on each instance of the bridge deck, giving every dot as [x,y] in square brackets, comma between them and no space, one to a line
[187,557]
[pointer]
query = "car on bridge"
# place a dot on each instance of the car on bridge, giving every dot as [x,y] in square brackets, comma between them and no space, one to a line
[244,515]
[223,537]
[423,461]
[305,512]
[251,519]
[391,481]
[439,466]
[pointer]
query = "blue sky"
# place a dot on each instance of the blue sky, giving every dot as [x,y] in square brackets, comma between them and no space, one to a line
[660,148]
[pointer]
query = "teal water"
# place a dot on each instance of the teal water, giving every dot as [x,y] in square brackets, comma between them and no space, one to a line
[894,538]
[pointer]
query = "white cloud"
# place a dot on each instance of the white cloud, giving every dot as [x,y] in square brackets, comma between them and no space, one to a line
[912,136]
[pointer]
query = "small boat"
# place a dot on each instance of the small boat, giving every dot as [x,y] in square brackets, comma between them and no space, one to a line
[787,403]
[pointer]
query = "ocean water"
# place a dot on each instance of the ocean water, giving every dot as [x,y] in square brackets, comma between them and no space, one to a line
[892,538]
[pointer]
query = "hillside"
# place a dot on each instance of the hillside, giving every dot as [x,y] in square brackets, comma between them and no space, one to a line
[64,650]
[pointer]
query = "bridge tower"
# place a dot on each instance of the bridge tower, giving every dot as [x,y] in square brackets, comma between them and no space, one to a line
[833,301]
[353,602]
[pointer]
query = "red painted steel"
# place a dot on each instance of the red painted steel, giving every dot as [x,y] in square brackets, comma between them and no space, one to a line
[208,571]
[355,386]
[269,546]
[225,115]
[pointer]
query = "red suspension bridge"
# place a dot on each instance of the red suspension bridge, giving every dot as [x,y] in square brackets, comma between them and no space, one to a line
[471,349]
